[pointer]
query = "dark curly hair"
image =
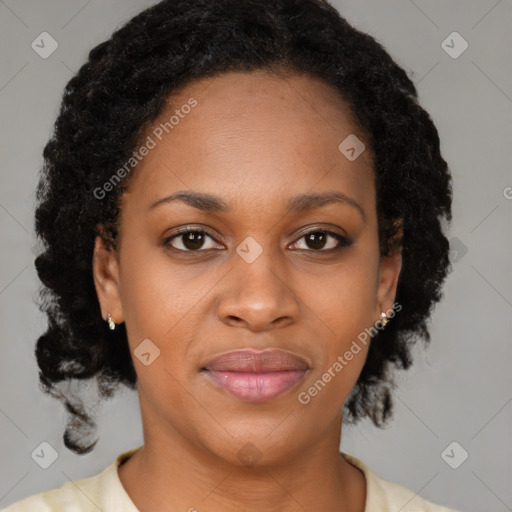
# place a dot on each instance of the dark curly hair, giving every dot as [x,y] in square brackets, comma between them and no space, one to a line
[122,88]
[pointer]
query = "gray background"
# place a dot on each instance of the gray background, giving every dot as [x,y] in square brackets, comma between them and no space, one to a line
[458,390]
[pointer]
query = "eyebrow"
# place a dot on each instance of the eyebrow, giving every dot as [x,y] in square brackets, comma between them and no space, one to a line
[298,204]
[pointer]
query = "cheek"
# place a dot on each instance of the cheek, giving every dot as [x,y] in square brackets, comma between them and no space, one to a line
[345,301]
[344,306]
[342,344]
[155,295]
[161,303]
[157,306]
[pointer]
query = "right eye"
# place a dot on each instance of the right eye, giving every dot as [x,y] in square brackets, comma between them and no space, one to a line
[189,240]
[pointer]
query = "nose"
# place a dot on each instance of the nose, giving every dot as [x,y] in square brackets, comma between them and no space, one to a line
[258,296]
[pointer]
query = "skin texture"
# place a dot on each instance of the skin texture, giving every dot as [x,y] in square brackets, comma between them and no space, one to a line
[256,140]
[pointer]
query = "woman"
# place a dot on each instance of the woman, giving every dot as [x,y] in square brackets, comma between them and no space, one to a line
[241,208]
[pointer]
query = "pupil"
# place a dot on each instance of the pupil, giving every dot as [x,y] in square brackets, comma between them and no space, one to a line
[311,238]
[193,238]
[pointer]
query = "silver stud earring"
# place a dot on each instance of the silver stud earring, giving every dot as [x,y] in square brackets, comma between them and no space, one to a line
[111,323]
[383,319]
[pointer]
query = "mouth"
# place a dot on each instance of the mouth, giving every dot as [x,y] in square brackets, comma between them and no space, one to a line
[256,376]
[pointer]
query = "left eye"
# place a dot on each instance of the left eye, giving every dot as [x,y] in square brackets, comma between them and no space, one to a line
[192,240]
[320,237]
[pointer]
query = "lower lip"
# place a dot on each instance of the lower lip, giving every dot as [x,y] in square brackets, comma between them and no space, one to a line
[256,387]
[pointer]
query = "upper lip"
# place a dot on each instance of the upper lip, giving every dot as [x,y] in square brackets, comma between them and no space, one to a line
[249,360]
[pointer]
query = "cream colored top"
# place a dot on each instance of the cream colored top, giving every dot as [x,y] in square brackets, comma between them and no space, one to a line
[106,493]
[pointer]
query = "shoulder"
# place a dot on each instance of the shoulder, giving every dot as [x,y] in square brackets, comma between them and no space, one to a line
[77,495]
[103,491]
[385,496]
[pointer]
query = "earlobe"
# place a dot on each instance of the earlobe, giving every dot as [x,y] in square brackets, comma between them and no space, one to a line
[105,269]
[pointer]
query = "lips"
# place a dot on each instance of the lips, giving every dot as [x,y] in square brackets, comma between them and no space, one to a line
[256,376]
[270,360]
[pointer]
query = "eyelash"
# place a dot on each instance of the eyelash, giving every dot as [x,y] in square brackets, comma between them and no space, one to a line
[343,241]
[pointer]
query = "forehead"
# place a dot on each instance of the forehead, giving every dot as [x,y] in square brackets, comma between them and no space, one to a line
[253,135]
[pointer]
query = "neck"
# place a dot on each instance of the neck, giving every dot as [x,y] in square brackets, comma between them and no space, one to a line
[171,473]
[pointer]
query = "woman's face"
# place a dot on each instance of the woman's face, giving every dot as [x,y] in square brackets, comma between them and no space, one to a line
[252,278]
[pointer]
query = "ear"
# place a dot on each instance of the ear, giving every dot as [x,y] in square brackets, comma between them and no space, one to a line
[389,272]
[105,269]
